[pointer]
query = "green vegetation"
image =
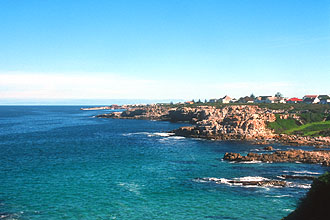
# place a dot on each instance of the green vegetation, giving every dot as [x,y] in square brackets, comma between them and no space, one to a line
[282,125]
[316,204]
[310,129]
[314,119]
[291,126]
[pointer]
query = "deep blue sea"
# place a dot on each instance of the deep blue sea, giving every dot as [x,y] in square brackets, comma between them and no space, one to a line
[58,162]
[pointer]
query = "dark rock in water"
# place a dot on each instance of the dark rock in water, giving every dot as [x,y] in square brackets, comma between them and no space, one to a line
[315,206]
[268,148]
[298,177]
[318,157]
[261,182]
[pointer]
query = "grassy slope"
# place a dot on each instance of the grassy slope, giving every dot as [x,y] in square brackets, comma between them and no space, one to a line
[310,129]
[282,125]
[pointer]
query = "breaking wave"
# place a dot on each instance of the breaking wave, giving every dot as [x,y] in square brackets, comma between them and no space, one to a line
[302,172]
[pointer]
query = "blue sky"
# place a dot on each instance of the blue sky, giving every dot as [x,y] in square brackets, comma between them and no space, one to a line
[184,49]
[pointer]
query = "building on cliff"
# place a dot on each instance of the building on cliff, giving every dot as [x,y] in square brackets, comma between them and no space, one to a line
[311,99]
[225,100]
[294,100]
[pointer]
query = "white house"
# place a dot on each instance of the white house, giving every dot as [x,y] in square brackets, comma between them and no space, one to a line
[311,99]
[226,99]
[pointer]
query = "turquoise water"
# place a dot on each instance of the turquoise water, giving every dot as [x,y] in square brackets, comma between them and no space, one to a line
[61,163]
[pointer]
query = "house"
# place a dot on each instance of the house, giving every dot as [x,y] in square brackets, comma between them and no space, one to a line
[310,96]
[226,99]
[311,99]
[280,100]
[233,100]
[324,99]
[269,99]
[213,100]
[246,99]
[263,99]
[294,100]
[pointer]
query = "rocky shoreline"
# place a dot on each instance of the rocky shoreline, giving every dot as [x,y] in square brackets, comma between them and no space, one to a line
[233,122]
[301,156]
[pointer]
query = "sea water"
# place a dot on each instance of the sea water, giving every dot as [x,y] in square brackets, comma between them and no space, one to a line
[58,162]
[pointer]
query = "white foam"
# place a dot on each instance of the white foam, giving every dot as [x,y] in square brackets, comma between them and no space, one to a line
[302,172]
[241,184]
[176,137]
[137,133]
[281,177]
[279,196]
[298,185]
[251,178]
[160,134]
[246,162]
[132,187]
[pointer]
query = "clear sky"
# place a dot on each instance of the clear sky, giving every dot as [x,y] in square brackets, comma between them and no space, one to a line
[163,49]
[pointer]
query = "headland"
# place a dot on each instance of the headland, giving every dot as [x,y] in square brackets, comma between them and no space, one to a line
[251,123]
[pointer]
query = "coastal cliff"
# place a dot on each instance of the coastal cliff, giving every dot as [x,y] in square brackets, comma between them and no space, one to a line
[231,122]
[236,122]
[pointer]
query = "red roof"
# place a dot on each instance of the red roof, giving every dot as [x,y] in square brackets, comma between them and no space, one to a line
[310,96]
[294,100]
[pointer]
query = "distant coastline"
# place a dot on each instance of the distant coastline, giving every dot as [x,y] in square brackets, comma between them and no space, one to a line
[253,123]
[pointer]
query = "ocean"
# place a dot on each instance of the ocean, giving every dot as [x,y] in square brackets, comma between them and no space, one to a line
[58,162]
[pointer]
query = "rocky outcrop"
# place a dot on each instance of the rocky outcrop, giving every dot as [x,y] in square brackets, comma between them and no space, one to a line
[312,157]
[236,122]
[297,140]
[315,205]
[231,122]
[153,112]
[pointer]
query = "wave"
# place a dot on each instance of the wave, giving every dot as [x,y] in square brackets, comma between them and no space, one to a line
[136,133]
[300,185]
[160,134]
[302,172]
[279,196]
[251,178]
[150,134]
[243,181]
[246,162]
[176,137]
[132,187]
